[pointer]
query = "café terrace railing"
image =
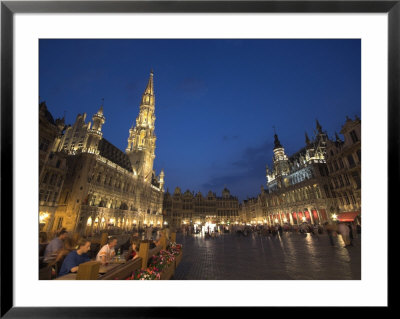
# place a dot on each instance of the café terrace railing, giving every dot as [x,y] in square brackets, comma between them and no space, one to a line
[90,269]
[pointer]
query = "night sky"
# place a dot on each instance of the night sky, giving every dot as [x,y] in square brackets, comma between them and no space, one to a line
[217,101]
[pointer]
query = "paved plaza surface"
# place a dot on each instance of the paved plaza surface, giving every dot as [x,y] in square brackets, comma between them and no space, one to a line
[292,256]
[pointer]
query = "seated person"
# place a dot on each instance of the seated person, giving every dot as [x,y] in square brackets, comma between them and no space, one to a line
[42,243]
[56,245]
[75,258]
[133,249]
[67,248]
[107,252]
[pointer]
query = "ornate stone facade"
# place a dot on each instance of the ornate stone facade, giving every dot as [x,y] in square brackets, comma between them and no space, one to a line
[104,187]
[52,166]
[344,163]
[190,208]
[295,186]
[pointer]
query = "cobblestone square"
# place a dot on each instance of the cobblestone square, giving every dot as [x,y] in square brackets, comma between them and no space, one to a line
[255,257]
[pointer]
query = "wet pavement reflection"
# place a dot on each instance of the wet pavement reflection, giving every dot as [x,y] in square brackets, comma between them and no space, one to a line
[286,257]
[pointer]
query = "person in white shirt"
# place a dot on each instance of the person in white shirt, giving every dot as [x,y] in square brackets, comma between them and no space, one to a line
[107,252]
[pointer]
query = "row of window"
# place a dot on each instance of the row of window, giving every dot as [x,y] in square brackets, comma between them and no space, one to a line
[118,184]
[48,196]
[336,165]
[292,197]
[346,197]
[52,179]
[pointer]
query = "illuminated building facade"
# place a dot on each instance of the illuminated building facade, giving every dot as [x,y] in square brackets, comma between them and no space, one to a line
[344,164]
[105,187]
[195,209]
[296,186]
[52,166]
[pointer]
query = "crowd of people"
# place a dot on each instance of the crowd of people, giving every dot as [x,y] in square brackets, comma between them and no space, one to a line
[64,253]
[347,230]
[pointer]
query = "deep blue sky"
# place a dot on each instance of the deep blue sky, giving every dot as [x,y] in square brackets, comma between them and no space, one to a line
[216,100]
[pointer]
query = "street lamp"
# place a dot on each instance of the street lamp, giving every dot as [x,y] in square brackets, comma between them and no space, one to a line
[334,216]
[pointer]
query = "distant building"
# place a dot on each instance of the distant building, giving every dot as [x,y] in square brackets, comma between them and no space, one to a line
[295,186]
[105,187]
[52,166]
[344,163]
[190,209]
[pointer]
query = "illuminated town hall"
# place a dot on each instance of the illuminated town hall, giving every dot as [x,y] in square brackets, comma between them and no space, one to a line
[86,184]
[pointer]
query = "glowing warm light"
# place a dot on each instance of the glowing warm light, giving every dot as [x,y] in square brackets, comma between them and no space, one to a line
[112,220]
[285,220]
[103,220]
[304,219]
[165,223]
[43,216]
[96,220]
[158,223]
[222,222]
[276,220]
[151,223]
[134,221]
[89,221]
[334,216]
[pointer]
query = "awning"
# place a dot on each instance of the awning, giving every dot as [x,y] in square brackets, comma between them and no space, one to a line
[348,216]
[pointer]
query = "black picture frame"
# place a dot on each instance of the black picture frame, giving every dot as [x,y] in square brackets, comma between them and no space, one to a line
[9,8]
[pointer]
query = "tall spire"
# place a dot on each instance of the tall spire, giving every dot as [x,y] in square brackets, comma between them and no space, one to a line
[141,140]
[319,127]
[100,111]
[148,95]
[277,142]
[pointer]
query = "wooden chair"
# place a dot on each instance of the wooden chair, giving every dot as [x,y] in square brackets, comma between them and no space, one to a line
[88,271]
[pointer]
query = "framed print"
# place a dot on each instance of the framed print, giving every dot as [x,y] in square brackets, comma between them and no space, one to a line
[159,120]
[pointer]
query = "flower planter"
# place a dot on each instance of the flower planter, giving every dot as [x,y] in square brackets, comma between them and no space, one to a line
[168,272]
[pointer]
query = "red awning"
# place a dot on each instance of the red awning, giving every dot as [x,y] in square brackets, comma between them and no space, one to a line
[348,216]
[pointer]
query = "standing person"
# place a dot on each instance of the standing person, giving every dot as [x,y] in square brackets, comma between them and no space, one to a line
[56,245]
[345,232]
[329,231]
[75,258]
[280,230]
[354,228]
[149,232]
[107,252]
[350,234]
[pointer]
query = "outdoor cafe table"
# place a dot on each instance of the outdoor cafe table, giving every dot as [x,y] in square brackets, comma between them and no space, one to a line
[114,263]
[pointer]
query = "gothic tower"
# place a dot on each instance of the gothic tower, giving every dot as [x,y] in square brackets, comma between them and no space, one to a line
[281,161]
[320,141]
[94,133]
[142,140]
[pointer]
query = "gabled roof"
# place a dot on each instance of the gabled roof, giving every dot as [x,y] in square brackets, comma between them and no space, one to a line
[114,154]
